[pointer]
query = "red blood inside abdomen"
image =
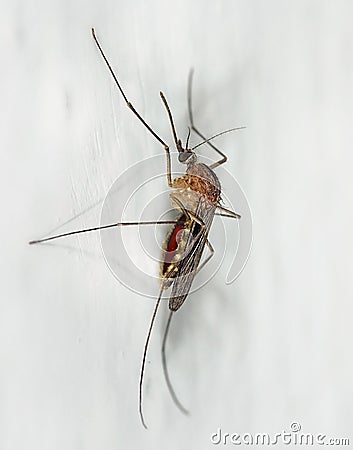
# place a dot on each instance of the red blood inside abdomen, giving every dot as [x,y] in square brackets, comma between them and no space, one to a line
[172,243]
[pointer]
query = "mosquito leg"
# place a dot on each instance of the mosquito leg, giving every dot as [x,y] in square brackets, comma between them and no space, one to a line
[227,213]
[192,218]
[132,108]
[191,118]
[187,213]
[165,368]
[209,245]
[103,227]
[176,140]
[142,372]
[164,358]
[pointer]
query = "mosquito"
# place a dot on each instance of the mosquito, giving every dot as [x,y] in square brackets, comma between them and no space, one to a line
[196,197]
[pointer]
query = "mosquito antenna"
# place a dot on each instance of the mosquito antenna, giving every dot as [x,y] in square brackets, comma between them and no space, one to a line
[165,368]
[103,227]
[191,118]
[144,356]
[177,142]
[216,135]
[188,137]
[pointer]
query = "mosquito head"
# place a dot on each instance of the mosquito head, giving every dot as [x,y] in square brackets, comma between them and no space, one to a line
[187,156]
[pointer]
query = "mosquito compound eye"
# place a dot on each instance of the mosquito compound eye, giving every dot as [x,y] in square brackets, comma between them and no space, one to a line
[186,157]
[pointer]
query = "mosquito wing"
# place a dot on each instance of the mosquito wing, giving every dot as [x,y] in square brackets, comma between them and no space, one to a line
[192,251]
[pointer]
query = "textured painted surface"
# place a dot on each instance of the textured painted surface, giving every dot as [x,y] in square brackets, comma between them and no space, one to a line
[274,347]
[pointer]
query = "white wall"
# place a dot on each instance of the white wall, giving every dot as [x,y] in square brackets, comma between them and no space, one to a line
[273,348]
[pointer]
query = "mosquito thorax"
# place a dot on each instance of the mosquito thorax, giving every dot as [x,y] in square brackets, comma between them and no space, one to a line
[199,180]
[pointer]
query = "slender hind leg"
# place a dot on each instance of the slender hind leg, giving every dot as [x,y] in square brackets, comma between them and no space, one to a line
[211,249]
[142,372]
[164,358]
[227,213]
[165,368]
[191,118]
